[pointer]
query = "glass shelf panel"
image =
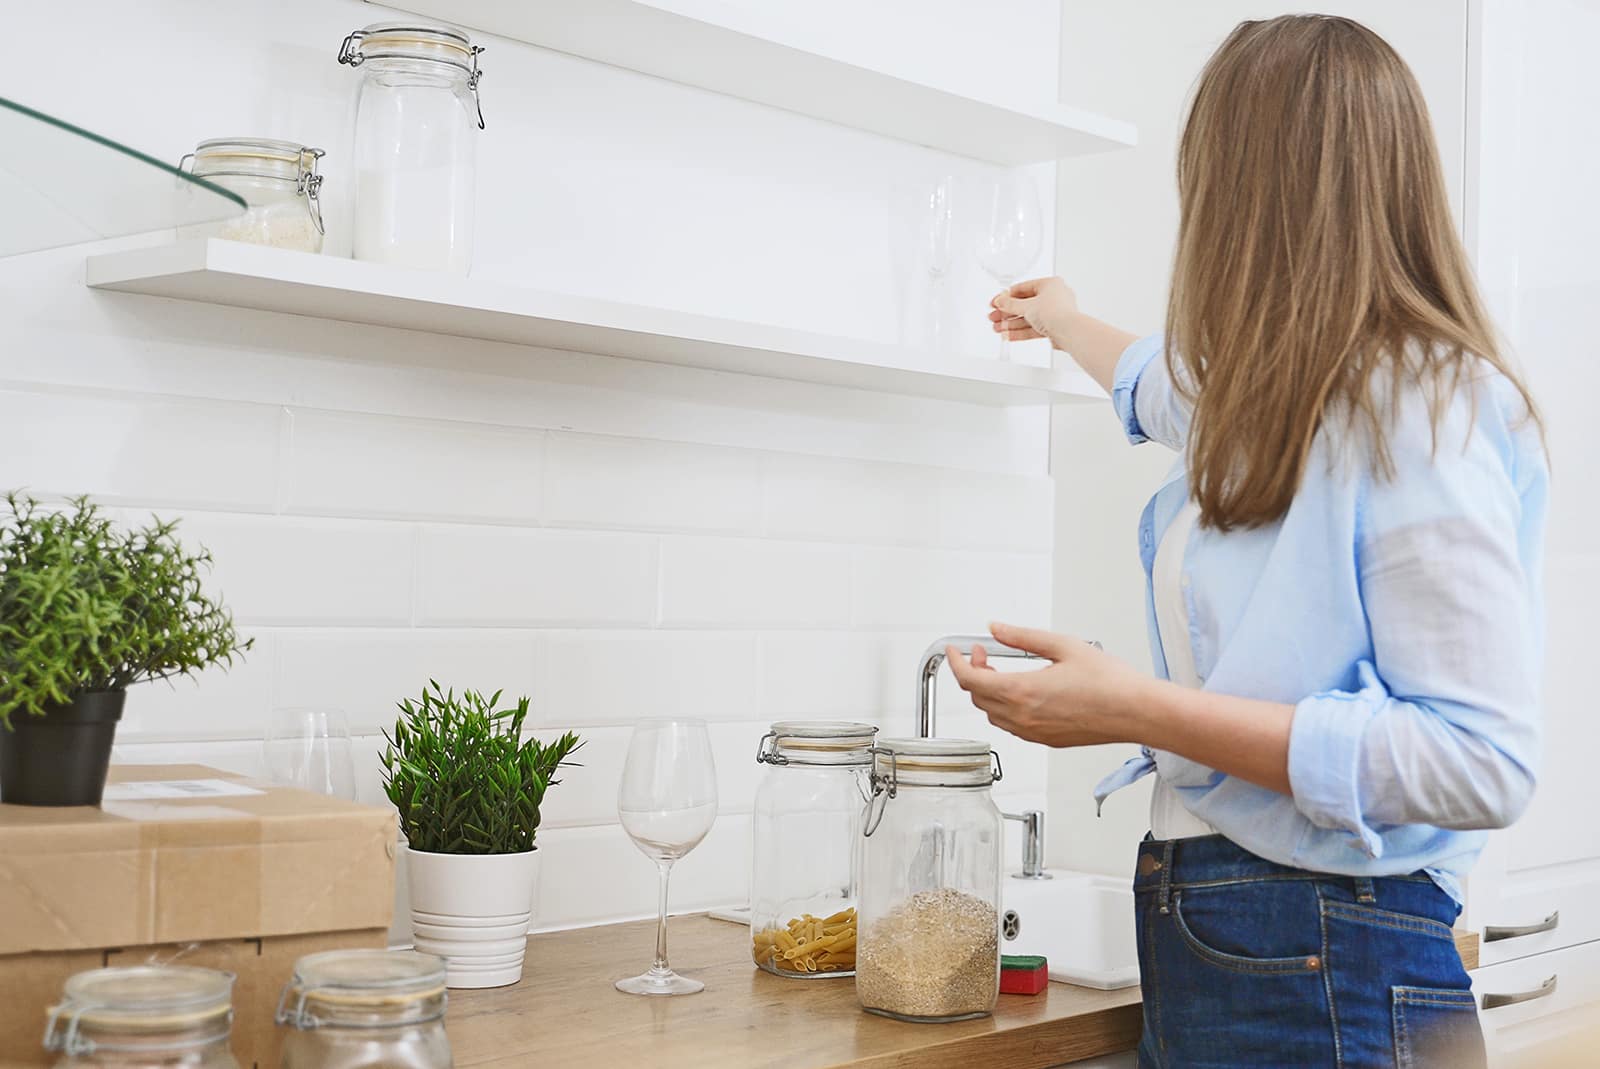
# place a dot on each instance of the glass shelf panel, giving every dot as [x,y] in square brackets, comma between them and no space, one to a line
[61,184]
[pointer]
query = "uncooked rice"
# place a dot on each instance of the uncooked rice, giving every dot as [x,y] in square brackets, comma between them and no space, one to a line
[935,955]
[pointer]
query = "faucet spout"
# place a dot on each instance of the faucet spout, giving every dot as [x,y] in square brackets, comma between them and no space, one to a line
[928,671]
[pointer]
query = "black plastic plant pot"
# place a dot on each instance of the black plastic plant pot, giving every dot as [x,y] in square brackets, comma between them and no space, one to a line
[60,758]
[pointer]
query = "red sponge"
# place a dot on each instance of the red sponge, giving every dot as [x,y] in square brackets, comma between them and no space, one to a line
[1023,974]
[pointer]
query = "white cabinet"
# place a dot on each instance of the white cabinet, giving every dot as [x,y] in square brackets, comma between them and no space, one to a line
[1533,235]
[1541,1012]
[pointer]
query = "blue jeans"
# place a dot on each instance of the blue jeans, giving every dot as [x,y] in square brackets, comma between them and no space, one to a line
[1249,963]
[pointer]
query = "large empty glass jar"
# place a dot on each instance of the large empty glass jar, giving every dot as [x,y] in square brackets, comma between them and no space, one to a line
[417,123]
[807,837]
[929,944]
[144,1017]
[360,1009]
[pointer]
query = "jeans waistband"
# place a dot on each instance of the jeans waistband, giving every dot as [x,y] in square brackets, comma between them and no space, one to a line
[1217,859]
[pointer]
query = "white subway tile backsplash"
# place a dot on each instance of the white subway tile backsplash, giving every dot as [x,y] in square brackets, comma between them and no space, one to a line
[145,450]
[282,570]
[810,676]
[587,793]
[943,591]
[489,577]
[850,500]
[595,677]
[216,704]
[366,673]
[987,510]
[595,875]
[711,582]
[346,464]
[595,481]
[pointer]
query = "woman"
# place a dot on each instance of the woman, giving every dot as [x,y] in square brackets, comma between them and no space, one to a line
[1344,574]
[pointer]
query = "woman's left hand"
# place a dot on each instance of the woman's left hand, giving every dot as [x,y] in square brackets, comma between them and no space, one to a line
[1085,696]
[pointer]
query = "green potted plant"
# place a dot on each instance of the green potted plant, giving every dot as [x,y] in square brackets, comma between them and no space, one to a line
[87,609]
[468,787]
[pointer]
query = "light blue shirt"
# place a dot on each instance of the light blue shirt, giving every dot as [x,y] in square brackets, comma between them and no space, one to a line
[1402,618]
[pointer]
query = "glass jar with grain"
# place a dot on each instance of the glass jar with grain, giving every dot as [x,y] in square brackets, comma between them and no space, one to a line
[807,832]
[929,942]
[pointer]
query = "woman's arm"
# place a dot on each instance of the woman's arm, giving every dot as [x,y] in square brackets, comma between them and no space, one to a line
[1047,308]
[1087,697]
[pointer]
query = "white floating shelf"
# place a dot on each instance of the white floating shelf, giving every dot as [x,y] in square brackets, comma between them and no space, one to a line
[743,50]
[327,287]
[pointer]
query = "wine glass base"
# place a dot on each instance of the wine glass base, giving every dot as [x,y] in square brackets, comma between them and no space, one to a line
[663,982]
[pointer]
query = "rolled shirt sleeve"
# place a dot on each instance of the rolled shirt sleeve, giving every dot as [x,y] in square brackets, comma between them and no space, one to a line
[1442,726]
[1147,402]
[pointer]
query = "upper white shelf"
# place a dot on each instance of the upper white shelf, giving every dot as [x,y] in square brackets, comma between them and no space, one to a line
[328,287]
[743,50]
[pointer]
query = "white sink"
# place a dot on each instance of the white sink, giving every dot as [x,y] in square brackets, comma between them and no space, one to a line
[1082,924]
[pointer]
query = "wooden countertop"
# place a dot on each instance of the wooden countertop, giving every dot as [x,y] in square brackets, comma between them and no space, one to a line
[566,1013]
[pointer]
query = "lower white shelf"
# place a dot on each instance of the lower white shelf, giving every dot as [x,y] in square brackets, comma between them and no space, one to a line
[326,287]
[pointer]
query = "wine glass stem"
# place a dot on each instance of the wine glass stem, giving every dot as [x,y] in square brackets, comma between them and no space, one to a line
[665,868]
[1005,338]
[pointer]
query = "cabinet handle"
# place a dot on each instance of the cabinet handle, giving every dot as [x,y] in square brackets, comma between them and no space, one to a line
[1493,933]
[1491,1002]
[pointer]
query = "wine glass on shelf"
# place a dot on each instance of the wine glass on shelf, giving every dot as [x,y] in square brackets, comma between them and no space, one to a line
[937,255]
[1014,235]
[667,801]
[310,749]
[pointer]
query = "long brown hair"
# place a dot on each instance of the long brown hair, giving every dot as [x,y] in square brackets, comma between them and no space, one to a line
[1317,261]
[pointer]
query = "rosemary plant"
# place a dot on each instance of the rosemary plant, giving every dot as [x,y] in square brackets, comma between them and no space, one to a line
[462,776]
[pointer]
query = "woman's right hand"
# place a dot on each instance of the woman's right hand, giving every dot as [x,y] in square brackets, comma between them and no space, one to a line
[1037,308]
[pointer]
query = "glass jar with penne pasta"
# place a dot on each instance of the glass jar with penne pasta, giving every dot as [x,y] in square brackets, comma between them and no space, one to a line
[807,831]
[929,911]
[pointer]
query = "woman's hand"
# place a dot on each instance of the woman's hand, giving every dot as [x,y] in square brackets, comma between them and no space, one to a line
[1038,308]
[1047,308]
[1086,696]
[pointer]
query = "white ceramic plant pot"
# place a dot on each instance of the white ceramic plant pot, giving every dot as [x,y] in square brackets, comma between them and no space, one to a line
[474,911]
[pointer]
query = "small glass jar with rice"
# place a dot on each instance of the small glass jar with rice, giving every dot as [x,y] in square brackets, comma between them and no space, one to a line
[279,182]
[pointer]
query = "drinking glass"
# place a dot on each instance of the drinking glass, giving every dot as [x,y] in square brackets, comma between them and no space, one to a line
[310,749]
[1011,241]
[667,801]
[938,217]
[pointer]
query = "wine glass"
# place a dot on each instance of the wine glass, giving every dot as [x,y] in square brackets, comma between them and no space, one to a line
[310,749]
[937,254]
[1011,242]
[667,801]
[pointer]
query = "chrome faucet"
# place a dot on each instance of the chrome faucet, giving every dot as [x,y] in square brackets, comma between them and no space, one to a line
[928,671]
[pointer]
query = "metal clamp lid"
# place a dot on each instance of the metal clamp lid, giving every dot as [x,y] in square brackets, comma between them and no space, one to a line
[62,1032]
[887,786]
[767,750]
[351,54]
[301,1018]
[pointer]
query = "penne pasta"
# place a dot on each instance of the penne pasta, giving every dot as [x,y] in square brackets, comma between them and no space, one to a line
[808,944]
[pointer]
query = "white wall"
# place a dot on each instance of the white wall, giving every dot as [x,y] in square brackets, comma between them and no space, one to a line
[618,540]
[1118,218]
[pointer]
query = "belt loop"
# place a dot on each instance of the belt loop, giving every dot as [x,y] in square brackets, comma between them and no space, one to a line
[1164,892]
[1364,890]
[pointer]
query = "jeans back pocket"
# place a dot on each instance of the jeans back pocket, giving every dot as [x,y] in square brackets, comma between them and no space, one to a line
[1436,1028]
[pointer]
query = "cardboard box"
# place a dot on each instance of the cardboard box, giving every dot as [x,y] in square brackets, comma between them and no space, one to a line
[185,863]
